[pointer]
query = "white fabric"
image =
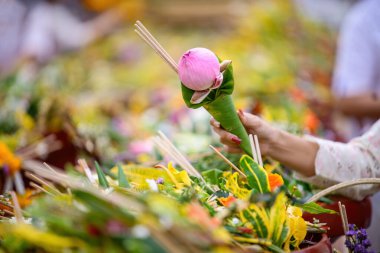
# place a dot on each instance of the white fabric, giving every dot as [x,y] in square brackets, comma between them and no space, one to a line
[360,158]
[357,68]
[338,162]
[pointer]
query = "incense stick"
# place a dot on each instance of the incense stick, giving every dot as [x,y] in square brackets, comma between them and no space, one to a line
[164,147]
[179,154]
[227,161]
[144,33]
[36,186]
[16,208]
[42,181]
[19,183]
[254,154]
[139,25]
[167,146]
[259,159]
[50,168]
[87,170]
[343,215]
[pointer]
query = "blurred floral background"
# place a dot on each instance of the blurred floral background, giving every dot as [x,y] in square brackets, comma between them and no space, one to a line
[87,75]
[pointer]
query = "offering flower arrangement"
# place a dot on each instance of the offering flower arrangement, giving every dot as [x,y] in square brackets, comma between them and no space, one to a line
[162,209]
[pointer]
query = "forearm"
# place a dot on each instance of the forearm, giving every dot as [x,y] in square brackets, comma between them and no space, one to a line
[294,152]
[359,106]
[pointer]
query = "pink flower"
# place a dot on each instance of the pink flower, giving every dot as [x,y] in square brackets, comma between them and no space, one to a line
[199,70]
[140,147]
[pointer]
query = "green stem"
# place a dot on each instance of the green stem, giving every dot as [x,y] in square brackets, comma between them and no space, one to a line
[223,110]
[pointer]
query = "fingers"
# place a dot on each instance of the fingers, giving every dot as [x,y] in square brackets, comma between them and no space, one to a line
[228,139]
[214,123]
[235,150]
[251,122]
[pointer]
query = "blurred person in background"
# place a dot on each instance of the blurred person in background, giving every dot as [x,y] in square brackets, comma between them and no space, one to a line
[34,31]
[356,83]
[356,80]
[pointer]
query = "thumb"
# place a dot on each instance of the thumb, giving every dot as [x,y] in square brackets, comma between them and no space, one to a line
[249,121]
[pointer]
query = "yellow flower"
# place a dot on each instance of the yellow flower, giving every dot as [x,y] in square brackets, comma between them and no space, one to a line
[48,241]
[297,227]
[233,186]
[138,175]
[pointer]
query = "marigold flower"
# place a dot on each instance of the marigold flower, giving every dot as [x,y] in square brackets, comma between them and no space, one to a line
[275,180]
[7,158]
[227,201]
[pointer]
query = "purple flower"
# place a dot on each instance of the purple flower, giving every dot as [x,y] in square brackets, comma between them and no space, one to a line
[357,240]
[160,180]
[366,243]
[362,234]
[359,248]
[6,169]
[349,244]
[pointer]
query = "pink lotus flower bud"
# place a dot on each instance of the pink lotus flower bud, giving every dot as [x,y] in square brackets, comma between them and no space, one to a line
[199,70]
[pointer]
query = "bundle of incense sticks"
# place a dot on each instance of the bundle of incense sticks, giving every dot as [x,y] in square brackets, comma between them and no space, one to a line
[143,32]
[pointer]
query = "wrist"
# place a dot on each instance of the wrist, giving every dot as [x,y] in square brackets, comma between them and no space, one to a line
[276,142]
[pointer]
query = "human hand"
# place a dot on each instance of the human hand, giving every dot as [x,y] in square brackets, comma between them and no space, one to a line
[267,134]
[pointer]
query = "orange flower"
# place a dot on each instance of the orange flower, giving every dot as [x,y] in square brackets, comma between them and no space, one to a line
[199,215]
[227,201]
[26,199]
[312,122]
[298,95]
[7,158]
[275,180]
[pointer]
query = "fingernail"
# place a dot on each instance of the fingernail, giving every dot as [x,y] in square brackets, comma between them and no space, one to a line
[236,140]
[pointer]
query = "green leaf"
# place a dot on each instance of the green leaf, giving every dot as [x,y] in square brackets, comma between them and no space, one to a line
[212,175]
[101,176]
[257,177]
[257,222]
[274,248]
[122,179]
[314,208]
[101,207]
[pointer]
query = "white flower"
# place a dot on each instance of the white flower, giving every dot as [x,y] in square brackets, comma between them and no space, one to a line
[140,231]
[152,184]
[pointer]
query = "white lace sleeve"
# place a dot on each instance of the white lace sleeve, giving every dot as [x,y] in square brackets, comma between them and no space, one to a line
[338,162]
